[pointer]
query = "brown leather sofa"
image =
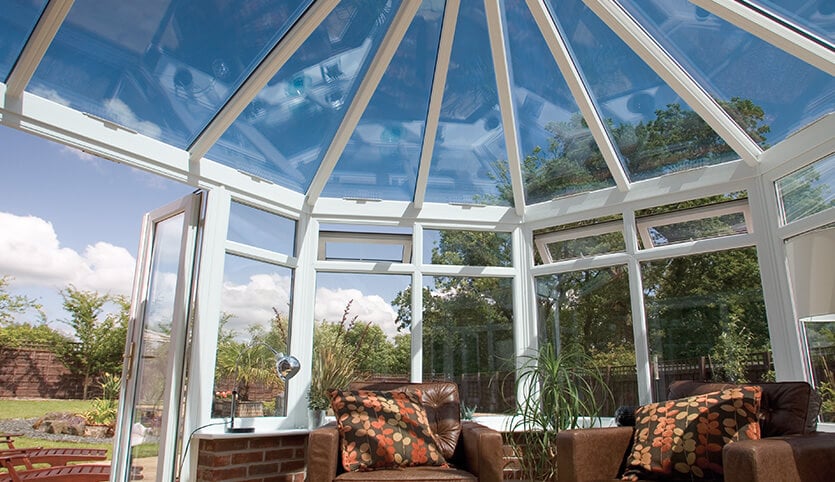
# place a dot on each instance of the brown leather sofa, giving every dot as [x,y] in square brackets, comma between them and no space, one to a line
[474,452]
[791,449]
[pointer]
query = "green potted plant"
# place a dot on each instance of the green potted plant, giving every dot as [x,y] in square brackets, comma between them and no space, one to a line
[557,391]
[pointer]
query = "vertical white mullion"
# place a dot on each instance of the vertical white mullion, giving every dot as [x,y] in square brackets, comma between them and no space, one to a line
[639,315]
[388,47]
[660,61]
[417,305]
[801,45]
[574,79]
[206,319]
[436,99]
[785,333]
[34,50]
[495,29]
[259,77]
[302,321]
[525,324]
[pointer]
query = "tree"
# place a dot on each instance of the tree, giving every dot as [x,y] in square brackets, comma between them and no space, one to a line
[101,337]
[12,305]
[25,334]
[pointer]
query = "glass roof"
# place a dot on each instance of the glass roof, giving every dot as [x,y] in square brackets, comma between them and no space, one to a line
[172,69]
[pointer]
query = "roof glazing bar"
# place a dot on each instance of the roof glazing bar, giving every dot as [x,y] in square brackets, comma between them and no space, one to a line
[571,72]
[497,47]
[259,78]
[775,30]
[436,99]
[375,73]
[659,60]
[48,24]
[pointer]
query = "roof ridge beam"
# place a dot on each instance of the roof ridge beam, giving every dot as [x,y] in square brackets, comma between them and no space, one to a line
[42,35]
[376,70]
[436,99]
[571,73]
[258,79]
[660,61]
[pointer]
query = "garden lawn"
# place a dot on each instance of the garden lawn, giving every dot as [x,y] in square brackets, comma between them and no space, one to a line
[37,408]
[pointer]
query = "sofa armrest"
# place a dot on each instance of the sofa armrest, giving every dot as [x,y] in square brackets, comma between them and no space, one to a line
[323,453]
[803,458]
[481,450]
[592,453]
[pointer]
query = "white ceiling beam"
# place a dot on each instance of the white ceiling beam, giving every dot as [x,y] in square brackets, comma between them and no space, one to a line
[495,27]
[259,78]
[781,33]
[34,50]
[436,99]
[659,60]
[571,73]
[376,70]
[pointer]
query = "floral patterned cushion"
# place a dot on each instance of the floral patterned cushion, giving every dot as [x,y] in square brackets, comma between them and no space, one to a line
[683,439]
[382,429]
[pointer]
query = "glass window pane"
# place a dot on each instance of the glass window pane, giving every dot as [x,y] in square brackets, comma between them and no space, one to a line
[262,229]
[817,16]
[820,343]
[16,24]
[255,311]
[767,91]
[655,131]
[467,248]
[592,308]
[283,134]
[711,227]
[560,156]
[468,338]
[381,158]
[358,334]
[470,158]
[807,191]
[587,246]
[161,68]
[706,319]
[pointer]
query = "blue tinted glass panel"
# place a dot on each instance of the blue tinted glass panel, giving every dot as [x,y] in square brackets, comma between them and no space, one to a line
[469,163]
[816,16]
[262,229]
[654,129]
[16,24]
[284,133]
[807,191]
[770,92]
[161,68]
[560,156]
[381,159]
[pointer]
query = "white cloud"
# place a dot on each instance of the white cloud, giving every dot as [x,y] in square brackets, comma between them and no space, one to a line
[330,305]
[122,114]
[31,252]
[252,303]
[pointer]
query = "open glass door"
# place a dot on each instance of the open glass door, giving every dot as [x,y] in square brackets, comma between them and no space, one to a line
[152,379]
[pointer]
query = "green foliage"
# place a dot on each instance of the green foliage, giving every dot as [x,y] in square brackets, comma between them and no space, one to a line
[104,410]
[467,411]
[560,391]
[24,334]
[13,305]
[729,354]
[101,337]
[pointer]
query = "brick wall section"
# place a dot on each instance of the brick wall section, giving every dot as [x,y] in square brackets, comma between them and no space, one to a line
[37,373]
[257,459]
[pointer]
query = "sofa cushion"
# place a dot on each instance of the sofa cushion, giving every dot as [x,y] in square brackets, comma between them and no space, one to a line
[381,429]
[683,438]
[787,408]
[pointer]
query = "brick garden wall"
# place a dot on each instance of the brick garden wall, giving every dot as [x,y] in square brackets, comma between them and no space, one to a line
[38,373]
[256,459]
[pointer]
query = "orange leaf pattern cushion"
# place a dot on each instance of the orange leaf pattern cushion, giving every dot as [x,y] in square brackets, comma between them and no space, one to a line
[383,430]
[683,439]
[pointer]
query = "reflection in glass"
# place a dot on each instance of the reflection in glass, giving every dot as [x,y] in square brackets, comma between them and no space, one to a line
[587,246]
[769,93]
[467,248]
[262,229]
[470,155]
[283,134]
[160,68]
[559,155]
[808,190]
[706,319]
[255,311]
[820,346]
[592,308]
[713,227]
[382,156]
[18,19]
[468,338]
[817,16]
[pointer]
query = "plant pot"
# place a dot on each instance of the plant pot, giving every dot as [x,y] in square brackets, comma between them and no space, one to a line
[315,418]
